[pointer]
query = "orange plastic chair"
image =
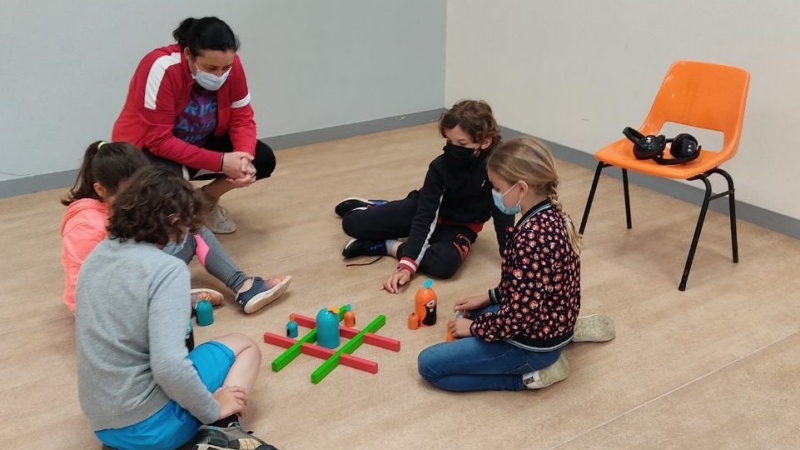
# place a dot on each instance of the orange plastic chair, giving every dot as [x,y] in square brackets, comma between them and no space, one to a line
[697,94]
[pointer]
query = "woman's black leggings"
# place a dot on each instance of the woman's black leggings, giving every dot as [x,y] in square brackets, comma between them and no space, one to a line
[264,160]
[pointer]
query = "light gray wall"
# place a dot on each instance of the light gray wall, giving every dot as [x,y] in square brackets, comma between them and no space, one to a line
[577,72]
[65,67]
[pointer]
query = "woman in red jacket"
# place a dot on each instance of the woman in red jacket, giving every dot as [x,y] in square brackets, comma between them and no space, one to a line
[188,107]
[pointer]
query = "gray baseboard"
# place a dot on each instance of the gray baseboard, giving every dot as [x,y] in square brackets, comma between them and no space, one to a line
[744,211]
[353,129]
[36,183]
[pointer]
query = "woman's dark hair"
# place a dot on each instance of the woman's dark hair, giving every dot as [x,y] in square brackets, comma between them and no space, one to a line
[475,118]
[109,163]
[208,33]
[158,206]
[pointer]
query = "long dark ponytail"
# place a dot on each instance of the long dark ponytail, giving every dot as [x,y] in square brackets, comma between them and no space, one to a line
[208,33]
[107,163]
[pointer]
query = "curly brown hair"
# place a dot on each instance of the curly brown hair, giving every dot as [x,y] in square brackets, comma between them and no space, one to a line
[158,206]
[475,118]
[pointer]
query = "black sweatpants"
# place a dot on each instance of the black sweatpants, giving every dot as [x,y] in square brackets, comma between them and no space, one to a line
[449,244]
[264,160]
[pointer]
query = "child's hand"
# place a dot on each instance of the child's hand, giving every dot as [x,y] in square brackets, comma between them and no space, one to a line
[465,305]
[460,327]
[396,281]
[232,400]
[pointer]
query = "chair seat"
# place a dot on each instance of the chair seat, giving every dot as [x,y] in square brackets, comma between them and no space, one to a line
[620,154]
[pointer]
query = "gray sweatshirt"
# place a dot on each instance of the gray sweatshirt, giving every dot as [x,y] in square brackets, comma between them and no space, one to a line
[133,307]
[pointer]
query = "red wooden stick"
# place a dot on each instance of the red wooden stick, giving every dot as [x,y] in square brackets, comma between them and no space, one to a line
[321,352]
[369,338]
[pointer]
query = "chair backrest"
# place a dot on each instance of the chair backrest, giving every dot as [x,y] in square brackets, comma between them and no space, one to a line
[702,95]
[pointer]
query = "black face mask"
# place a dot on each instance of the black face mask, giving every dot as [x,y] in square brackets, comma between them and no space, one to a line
[459,153]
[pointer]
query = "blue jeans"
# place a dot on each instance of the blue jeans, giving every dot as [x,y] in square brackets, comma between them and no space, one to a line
[471,364]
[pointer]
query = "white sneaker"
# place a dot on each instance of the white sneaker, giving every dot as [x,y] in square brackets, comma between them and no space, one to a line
[219,222]
[550,375]
[594,328]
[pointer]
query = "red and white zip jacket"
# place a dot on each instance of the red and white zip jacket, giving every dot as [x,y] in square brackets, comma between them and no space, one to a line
[160,90]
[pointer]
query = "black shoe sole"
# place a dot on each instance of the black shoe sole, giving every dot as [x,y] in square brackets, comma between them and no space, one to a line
[349,204]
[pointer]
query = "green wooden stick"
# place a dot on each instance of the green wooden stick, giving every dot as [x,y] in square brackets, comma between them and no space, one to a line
[351,346]
[292,352]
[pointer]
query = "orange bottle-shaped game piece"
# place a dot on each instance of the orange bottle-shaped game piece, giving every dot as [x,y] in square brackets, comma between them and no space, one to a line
[349,319]
[425,304]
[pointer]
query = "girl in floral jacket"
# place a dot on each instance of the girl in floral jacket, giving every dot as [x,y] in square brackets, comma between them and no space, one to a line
[512,336]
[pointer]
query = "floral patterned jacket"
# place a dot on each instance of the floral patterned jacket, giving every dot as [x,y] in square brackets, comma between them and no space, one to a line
[540,285]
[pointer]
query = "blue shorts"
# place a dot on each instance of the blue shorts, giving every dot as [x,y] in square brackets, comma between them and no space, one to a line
[173,426]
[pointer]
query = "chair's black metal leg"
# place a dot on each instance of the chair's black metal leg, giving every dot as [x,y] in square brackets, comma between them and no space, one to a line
[731,213]
[600,167]
[700,220]
[627,197]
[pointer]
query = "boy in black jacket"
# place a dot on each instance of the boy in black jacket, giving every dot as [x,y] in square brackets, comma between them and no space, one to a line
[443,218]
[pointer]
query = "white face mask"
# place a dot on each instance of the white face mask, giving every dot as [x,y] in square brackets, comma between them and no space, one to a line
[209,80]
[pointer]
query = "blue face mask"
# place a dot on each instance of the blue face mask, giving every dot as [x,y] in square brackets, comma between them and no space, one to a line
[498,201]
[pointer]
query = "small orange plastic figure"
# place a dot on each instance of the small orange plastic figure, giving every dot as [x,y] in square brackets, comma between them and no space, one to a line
[349,319]
[448,335]
[413,321]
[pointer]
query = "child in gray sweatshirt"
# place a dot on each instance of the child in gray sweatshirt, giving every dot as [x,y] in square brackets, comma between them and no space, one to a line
[138,384]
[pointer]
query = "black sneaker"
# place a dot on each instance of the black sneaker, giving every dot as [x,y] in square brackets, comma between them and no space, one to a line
[364,247]
[210,437]
[353,203]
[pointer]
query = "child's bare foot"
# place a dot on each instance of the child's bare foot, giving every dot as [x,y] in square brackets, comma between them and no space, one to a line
[257,293]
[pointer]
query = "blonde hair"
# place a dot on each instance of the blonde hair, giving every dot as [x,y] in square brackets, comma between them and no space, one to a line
[529,160]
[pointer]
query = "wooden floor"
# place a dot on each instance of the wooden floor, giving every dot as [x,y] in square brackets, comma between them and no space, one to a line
[715,367]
